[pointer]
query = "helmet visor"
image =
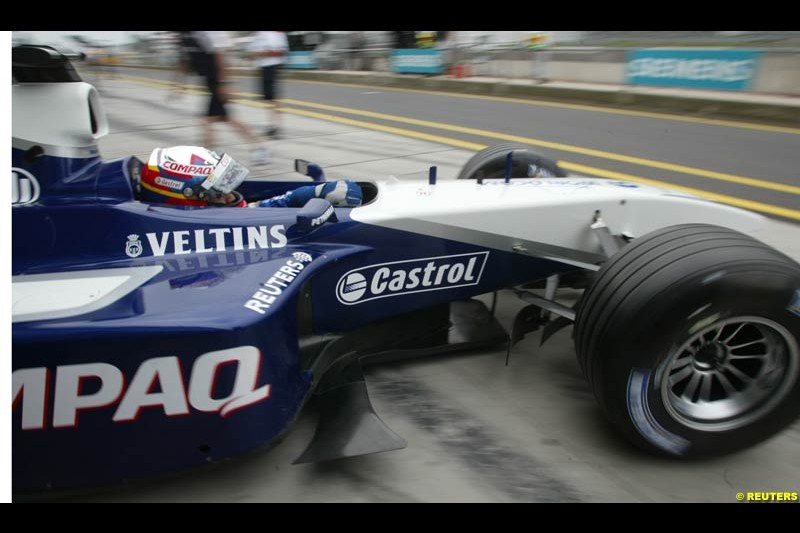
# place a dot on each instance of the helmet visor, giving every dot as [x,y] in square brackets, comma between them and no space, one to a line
[226,176]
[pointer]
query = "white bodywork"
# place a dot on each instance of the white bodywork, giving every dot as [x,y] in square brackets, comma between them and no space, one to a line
[34,296]
[57,117]
[550,217]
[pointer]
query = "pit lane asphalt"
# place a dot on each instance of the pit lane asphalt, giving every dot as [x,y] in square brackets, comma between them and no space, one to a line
[477,431]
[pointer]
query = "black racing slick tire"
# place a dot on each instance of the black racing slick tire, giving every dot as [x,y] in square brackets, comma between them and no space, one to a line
[490,163]
[689,338]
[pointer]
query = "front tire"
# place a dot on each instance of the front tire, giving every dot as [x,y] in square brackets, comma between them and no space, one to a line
[689,338]
[490,163]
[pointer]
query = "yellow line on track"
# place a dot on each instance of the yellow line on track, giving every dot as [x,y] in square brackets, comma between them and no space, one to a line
[533,102]
[722,198]
[682,169]
[388,129]
[582,169]
[581,107]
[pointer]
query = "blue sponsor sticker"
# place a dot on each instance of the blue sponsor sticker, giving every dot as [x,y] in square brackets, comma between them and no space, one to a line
[399,278]
[301,60]
[732,70]
[418,61]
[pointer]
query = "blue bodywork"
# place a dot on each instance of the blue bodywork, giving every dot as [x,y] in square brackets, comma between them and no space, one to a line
[221,337]
[213,261]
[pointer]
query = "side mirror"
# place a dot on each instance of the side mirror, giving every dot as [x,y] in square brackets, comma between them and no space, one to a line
[307,168]
[314,214]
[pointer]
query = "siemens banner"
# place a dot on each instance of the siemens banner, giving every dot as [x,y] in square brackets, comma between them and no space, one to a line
[417,61]
[300,60]
[731,70]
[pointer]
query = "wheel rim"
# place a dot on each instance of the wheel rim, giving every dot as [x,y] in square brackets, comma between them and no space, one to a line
[729,374]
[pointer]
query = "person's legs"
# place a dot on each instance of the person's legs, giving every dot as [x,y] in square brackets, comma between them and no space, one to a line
[216,111]
[260,154]
[243,129]
[274,116]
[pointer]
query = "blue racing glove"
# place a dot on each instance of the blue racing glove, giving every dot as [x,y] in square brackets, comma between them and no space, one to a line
[340,193]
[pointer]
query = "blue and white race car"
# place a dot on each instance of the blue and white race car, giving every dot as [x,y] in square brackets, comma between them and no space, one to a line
[150,337]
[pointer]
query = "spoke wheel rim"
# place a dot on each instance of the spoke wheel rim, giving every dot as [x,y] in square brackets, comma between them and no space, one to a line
[729,374]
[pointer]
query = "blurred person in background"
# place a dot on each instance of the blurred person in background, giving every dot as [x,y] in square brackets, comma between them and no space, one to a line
[269,50]
[205,53]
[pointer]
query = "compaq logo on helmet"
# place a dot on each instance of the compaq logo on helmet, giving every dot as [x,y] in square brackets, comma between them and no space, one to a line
[408,277]
[187,169]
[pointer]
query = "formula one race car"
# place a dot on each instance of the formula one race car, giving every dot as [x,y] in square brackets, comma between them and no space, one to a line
[150,337]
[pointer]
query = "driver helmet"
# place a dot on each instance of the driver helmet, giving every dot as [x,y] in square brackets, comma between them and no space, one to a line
[192,175]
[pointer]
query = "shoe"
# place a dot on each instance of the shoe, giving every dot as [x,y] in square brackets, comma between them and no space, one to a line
[260,156]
